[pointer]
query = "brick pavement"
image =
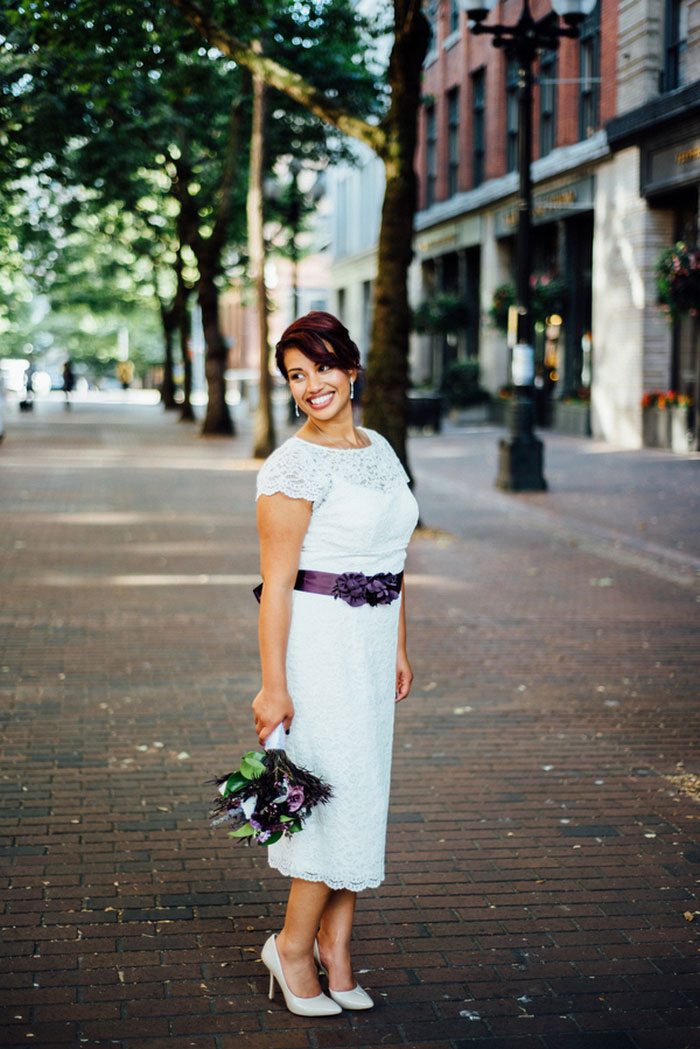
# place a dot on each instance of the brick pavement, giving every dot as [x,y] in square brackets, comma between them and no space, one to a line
[542,871]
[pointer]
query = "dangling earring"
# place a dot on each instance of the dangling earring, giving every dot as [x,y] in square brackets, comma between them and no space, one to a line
[352,388]
[296,409]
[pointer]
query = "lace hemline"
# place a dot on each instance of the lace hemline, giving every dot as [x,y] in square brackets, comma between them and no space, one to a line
[332,883]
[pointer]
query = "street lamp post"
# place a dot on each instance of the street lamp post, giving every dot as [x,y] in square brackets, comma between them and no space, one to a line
[520,454]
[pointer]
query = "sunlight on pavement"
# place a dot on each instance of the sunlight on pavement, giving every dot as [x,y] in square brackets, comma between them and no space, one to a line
[88,579]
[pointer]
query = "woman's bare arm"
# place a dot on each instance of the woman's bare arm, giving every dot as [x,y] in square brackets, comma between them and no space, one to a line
[404,674]
[282,525]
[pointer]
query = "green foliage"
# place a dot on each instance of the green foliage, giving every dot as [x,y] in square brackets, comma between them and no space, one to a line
[119,142]
[461,384]
[331,45]
[246,831]
[678,280]
[445,313]
[235,781]
[549,295]
[69,288]
[252,765]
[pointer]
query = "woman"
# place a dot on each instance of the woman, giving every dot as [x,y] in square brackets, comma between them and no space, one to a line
[334,518]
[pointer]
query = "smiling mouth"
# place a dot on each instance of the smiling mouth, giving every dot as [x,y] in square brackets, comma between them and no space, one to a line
[320,401]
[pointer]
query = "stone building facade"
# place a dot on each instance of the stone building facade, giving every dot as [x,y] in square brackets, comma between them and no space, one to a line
[356,194]
[616,171]
[648,191]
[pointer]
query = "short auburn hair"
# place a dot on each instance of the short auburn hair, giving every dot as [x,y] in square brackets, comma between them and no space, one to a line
[323,339]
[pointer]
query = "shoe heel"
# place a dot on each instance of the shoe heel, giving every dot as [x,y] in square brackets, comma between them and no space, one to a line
[317,958]
[271,993]
[318,1005]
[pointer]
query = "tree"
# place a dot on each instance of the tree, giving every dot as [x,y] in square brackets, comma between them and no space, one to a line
[330,36]
[78,277]
[264,430]
[393,138]
[110,91]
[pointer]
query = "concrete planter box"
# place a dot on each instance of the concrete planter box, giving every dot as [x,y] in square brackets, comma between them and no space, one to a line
[424,410]
[499,410]
[476,413]
[680,436]
[573,418]
[656,427]
[666,428]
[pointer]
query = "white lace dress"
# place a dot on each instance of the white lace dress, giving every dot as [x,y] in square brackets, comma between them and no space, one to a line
[341,660]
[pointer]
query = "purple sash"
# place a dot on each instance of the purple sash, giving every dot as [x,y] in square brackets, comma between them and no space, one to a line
[355,588]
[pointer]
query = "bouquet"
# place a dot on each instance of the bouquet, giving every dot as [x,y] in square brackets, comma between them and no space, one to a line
[267,796]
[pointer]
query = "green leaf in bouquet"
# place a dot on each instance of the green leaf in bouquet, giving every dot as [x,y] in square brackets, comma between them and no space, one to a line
[273,838]
[246,831]
[235,782]
[251,765]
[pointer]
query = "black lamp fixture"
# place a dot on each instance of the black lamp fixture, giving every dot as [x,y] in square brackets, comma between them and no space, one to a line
[521,453]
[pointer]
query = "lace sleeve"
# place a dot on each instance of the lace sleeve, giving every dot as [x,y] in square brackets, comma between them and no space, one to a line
[292,471]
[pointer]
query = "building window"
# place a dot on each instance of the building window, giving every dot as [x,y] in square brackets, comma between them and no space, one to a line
[453,141]
[479,126]
[430,155]
[548,102]
[512,95]
[675,41]
[454,16]
[589,75]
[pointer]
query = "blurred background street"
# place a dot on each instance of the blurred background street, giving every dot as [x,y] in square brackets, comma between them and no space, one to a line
[544,844]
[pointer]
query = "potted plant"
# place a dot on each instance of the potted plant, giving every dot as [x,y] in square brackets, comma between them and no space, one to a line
[665,420]
[572,412]
[468,401]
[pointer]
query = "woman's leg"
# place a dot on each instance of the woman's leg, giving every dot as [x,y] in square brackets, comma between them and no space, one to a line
[295,943]
[334,938]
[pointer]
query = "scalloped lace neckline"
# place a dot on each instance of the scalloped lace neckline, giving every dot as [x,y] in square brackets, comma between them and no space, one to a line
[330,448]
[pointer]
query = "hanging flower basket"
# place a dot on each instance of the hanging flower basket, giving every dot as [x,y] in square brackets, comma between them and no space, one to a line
[678,280]
[442,315]
[549,296]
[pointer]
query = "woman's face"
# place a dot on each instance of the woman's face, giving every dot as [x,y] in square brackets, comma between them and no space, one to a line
[320,390]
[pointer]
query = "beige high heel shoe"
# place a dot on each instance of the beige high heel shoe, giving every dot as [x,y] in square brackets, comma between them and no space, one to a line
[319,1005]
[357,998]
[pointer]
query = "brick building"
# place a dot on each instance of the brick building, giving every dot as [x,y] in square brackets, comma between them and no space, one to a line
[616,150]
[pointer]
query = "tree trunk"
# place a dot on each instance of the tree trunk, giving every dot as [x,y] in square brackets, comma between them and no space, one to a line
[184,327]
[387,368]
[186,411]
[263,429]
[394,140]
[217,419]
[167,389]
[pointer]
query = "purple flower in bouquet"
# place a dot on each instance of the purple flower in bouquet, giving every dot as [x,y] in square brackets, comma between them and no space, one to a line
[268,796]
[295,799]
